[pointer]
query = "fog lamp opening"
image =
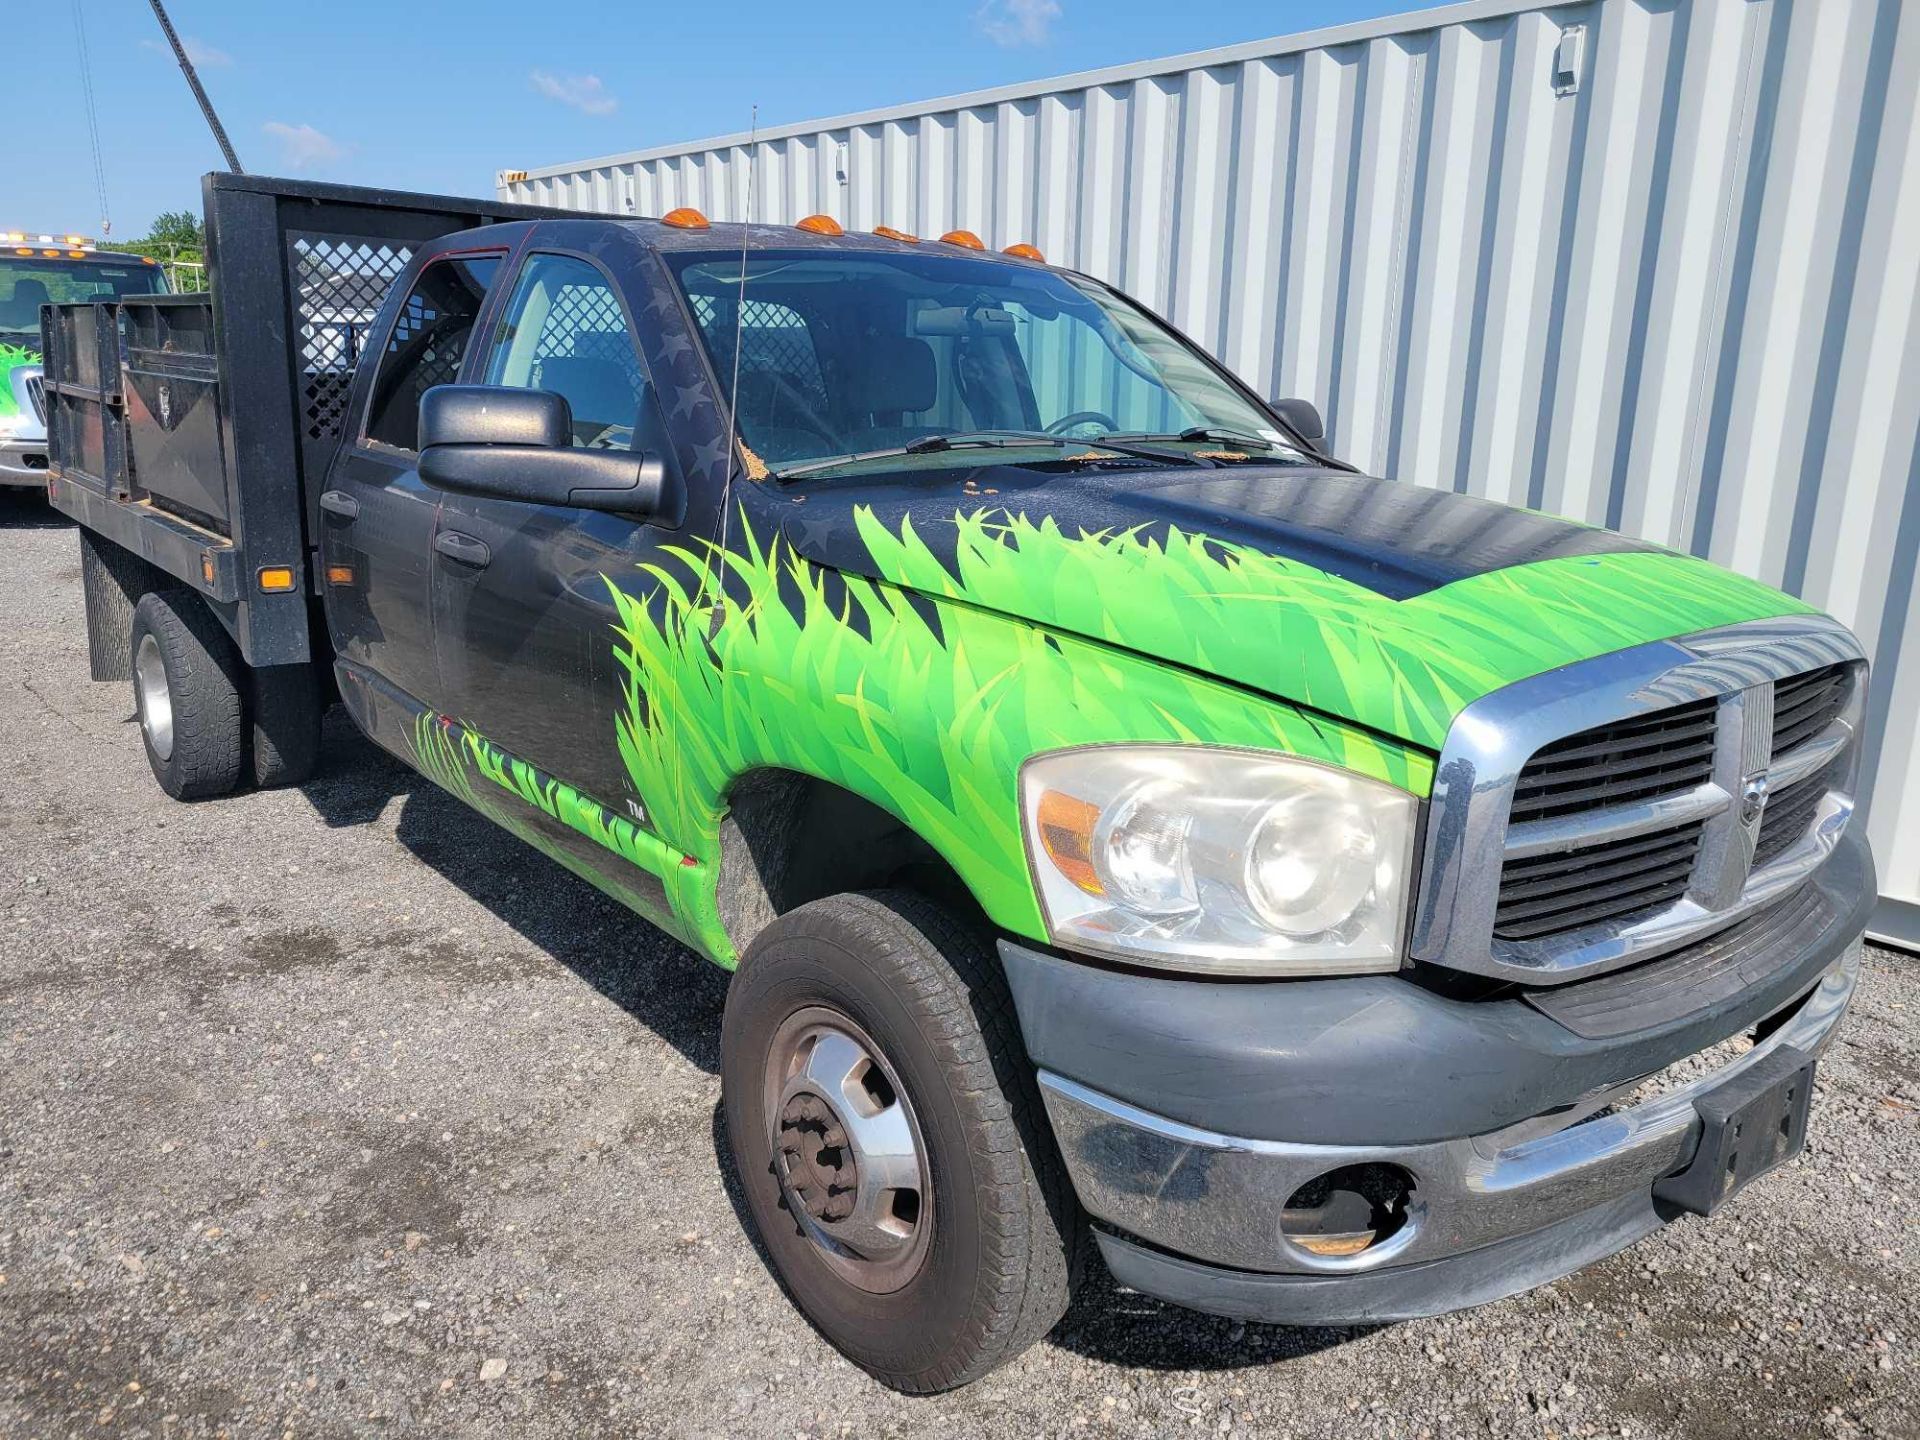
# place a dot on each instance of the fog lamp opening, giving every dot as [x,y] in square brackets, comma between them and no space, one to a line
[1348,1211]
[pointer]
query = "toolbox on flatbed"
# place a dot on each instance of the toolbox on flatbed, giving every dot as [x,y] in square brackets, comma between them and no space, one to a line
[184,428]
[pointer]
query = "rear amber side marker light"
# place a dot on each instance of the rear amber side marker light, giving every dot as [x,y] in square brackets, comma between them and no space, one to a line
[819,225]
[1024,251]
[685,217]
[964,238]
[887,232]
[206,567]
[1066,834]
[276,579]
[339,574]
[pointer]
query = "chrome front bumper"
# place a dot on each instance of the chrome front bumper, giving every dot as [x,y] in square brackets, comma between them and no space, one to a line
[16,462]
[1216,1201]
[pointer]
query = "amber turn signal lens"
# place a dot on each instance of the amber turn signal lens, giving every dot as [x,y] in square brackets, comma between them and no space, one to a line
[1066,834]
[819,225]
[339,574]
[887,232]
[206,567]
[275,579]
[684,218]
[1024,251]
[965,238]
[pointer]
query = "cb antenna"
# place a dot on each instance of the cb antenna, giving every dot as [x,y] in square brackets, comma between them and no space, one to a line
[737,450]
[199,91]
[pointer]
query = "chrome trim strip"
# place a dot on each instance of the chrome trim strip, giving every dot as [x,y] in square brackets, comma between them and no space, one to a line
[1468,837]
[1809,755]
[1219,1198]
[1616,822]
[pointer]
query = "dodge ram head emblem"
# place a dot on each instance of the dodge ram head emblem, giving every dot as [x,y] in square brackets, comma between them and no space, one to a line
[1753,797]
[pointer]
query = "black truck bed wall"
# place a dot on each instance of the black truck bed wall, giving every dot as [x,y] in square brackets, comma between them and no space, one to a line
[195,431]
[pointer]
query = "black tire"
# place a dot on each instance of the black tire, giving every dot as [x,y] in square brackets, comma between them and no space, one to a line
[284,738]
[202,691]
[995,1274]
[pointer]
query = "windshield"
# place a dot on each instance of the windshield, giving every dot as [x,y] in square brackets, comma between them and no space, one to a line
[27,284]
[848,360]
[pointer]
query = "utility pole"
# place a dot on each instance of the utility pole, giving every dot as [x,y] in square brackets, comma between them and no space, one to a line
[199,92]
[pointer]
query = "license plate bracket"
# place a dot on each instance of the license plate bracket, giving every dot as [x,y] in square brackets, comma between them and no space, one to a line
[1754,1124]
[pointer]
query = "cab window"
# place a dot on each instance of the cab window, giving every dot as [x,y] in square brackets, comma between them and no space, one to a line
[429,340]
[565,331]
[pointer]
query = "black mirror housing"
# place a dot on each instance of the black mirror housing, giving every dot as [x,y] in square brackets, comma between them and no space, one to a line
[494,415]
[1303,418]
[514,444]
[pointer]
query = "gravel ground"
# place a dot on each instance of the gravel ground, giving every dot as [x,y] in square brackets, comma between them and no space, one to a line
[336,1111]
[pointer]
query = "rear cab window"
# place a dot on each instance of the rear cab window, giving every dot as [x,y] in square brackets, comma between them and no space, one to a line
[427,345]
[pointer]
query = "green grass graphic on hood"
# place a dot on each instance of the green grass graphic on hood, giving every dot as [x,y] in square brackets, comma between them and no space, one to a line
[11,358]
[1403,667]
[925,708]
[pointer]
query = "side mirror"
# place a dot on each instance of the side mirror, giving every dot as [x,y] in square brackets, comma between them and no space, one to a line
[1303,418]
[514,444]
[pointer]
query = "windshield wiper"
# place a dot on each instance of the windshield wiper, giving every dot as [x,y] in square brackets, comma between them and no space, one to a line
[980,439]
[1219,435]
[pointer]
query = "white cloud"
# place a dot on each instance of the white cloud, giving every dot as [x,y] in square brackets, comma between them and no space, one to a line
[584,93]
[1013,23]
[302,147]
[203,55]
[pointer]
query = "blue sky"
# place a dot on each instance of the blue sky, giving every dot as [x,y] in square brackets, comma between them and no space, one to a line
[436,95]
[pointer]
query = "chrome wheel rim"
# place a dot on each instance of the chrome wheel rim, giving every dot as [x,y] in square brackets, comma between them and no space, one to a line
[151,695]
[847,1150]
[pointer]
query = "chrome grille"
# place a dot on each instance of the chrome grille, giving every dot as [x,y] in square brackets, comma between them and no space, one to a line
[1659,754]
[1547,894]
[37,395]
[1791,811]
[1623,807]
[1806,704]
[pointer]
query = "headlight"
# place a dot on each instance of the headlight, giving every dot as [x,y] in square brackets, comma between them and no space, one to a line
[1230,861]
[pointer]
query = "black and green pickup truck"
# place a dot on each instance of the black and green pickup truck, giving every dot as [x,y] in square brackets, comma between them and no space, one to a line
[1132,832]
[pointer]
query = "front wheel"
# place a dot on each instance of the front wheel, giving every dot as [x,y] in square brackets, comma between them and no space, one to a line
[888,1134]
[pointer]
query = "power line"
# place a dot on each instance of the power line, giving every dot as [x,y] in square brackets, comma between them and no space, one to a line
[93,118]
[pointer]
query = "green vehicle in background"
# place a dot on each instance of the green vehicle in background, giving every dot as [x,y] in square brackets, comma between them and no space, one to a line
[37,270]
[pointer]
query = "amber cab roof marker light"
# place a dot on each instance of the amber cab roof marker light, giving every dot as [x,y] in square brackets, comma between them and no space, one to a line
[887,232]
[685,217]
[1024,251]
[966,239]
[819,225]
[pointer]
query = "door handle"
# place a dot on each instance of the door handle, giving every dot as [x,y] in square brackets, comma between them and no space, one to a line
[463,548]
[338,502]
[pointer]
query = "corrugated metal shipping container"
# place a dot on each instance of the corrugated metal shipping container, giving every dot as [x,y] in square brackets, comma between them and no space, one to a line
[1648,263]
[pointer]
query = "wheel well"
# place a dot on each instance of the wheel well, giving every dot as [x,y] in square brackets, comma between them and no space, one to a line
[789,838]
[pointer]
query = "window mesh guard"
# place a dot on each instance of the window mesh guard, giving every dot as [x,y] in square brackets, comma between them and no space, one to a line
[340,282]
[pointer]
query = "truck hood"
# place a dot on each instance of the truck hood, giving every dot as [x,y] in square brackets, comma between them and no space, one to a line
[1379,603]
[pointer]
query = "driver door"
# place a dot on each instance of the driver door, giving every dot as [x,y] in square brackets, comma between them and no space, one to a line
[523,613]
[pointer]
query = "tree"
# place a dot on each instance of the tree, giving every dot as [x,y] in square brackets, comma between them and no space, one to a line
[175,227]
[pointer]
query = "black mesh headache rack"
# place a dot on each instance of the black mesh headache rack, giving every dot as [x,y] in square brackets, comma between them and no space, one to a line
[186,428]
